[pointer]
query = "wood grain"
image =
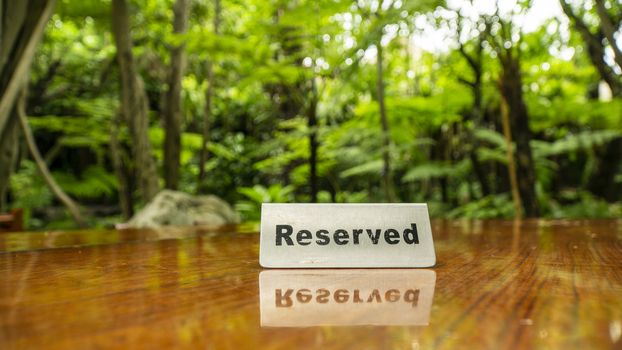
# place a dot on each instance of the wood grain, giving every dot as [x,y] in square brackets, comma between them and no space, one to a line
[499,285]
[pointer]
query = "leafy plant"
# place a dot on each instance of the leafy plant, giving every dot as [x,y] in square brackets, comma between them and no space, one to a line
[30,192]
[95,182]
[584,205]
[490,207]
[250,208]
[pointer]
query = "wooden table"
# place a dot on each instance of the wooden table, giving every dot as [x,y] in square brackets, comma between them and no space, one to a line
[498,284]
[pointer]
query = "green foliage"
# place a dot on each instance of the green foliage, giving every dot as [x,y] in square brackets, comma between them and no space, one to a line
[368,168]
[491,207]
[273,62]
[29,189]
[583,141]
[436,170]
[30,192]
[583,205]
[492,137]
[95,182]
[250,208]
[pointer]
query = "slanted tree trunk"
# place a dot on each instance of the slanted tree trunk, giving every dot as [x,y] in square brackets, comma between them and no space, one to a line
[595,49]
[209,93]
[387,180]
[134,103]
[602,182]
[172,111]
[609,29]
[21,26]
[43,169]
[511,87]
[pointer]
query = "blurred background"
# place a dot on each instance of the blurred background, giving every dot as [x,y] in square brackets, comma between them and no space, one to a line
[482,109]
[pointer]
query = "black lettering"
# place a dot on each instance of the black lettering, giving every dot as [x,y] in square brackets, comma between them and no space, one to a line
[411,236]
[304,296]
[392,236]
[284,232]
[341,296]
[303,235]
[374,238]
[375,294]
[392,295]
[322,237]
[322,296]
[355,236]
[283,300]
[341,237]
[412,296]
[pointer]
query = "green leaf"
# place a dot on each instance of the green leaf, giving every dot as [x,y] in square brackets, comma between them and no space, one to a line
[490,136]
[373,167]
[574,142]
[435,170]
[221,151]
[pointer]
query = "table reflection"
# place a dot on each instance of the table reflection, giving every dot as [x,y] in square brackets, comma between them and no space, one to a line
[303,298]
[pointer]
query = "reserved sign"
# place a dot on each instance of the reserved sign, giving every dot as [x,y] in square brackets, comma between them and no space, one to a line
[346,235]
[302,298]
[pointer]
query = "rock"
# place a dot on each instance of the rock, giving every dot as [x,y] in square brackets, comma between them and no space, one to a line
[172,208]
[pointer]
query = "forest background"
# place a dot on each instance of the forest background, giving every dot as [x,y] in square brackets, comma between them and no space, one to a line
[481,109]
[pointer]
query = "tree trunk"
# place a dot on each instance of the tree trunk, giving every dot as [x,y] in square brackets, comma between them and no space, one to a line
[172,112]
[209,93]
[9,147]
[602,183]
[512,93]
[43,169]
[121,171]
[134,103]
[476,118]
[387,181]
[475,62]
[21,26]
[204,154]
[507,133]
[313,142]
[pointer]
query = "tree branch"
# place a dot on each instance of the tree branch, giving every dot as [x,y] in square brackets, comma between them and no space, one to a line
[43,169]
[472,61]
[467,82]
[595,49]
[608,29]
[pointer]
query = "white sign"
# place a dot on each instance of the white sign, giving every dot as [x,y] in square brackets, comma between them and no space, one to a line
[345,235]
[303,298]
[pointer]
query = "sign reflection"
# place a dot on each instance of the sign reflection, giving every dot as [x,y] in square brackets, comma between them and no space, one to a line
[303,298]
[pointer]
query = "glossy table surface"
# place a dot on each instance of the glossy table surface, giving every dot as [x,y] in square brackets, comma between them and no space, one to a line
[497,285]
